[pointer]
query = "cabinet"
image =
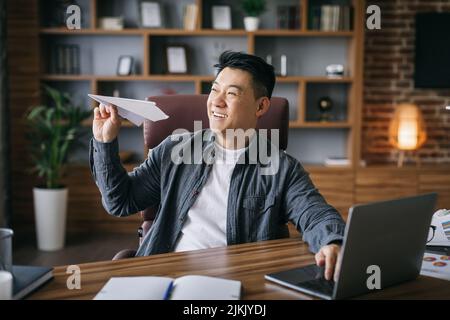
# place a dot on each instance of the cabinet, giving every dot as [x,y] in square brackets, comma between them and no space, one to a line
[308,52]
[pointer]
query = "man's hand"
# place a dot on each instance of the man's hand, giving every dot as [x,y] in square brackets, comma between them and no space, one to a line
[106,124]
[329,256]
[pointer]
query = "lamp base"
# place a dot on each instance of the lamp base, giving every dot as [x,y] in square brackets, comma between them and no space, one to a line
[401,158]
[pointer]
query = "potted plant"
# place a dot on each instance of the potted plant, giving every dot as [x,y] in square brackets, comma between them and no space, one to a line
[53,131]
[253,9]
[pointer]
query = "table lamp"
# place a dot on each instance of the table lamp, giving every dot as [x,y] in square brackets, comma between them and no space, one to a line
[407,130]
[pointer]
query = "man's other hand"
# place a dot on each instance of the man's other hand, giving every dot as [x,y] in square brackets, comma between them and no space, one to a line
[329,256]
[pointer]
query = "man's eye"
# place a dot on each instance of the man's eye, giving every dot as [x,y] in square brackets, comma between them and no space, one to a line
[213,89]
[232,93]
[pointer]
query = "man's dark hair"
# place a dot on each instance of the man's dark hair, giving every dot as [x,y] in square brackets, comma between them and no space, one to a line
[263,74]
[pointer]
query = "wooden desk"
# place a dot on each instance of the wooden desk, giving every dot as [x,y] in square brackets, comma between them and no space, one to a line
[247,263]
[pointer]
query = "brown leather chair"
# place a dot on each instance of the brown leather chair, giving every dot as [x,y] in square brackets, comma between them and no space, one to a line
[183,110]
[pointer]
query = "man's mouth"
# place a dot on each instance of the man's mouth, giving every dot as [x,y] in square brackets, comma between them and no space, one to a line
[219,115]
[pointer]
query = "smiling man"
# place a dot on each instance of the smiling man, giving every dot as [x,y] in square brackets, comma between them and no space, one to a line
[225,200]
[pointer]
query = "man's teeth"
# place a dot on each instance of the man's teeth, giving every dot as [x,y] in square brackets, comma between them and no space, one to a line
[219,115]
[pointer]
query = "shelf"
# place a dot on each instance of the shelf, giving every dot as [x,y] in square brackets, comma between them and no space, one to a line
[200,32]
[314,79]
[319,125]
[308,53]
[171,77]
[301,33]
[66,77]
[312,168]
[65,31]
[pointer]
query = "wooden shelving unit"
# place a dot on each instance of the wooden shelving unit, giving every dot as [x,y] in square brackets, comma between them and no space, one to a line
[351,83]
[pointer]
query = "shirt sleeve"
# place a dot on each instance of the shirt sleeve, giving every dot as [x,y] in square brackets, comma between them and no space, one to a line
[124,193]
[319,222]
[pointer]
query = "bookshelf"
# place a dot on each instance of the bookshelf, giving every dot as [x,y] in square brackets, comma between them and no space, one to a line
[308,52]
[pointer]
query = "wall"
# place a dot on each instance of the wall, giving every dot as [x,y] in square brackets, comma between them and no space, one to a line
[388,80]
[23,71]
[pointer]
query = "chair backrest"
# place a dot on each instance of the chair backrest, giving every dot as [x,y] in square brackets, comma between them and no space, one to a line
[183,110]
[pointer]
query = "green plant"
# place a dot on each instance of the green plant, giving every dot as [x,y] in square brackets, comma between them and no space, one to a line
[253,8]
[53,131]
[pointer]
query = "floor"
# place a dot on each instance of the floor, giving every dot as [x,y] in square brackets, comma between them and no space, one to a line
[79,248]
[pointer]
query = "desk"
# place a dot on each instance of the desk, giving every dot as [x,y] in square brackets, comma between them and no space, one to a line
[246,262]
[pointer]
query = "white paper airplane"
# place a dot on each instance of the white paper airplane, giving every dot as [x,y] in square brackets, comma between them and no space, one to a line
[134,110]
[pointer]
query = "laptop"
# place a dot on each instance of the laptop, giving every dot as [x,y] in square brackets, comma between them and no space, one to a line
[389,234]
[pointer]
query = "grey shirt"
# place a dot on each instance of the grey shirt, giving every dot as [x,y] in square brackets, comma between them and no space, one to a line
[259,205]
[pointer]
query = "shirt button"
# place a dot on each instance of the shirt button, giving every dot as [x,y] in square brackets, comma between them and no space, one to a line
[195,193]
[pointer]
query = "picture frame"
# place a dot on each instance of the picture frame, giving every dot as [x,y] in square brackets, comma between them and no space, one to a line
[125,65]
[150,14]
[176,59]
[221,17]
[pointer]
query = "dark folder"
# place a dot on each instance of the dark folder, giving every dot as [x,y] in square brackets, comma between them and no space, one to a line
[28,279]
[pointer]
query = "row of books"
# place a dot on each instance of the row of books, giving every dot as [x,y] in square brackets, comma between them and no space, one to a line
[288,17]
[65,59]
[331,18]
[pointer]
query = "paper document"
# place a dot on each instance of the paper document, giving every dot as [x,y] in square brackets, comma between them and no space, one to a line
[134,110]
[436,265]
[441,220]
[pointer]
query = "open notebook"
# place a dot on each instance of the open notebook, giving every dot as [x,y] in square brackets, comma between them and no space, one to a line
[162,288]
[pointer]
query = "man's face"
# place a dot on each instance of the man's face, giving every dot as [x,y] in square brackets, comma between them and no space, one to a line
[231,102]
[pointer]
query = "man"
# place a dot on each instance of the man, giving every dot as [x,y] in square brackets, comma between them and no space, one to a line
[217,203]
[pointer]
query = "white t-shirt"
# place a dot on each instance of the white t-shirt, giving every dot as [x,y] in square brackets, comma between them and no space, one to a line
[206,222]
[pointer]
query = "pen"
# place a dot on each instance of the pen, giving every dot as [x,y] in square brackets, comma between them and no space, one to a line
[168,291]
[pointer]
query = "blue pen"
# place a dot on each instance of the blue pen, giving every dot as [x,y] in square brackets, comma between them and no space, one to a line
[168,291]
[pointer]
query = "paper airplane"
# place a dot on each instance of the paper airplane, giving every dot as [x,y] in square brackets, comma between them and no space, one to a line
[134,110]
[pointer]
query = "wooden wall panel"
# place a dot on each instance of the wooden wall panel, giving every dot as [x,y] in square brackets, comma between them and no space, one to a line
[436,182]
[337,187]
[23,72]
[379,185]
[85,211]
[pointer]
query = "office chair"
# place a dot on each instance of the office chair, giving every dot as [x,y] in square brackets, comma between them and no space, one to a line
[183,110]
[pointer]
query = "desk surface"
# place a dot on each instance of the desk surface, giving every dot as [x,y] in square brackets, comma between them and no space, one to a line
[247,263]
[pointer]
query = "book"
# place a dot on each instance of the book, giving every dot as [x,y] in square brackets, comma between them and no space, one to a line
[29,278]
[288,17]
[191,287]
[190,16]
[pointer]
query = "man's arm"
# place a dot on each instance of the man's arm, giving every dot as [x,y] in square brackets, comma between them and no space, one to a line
[319,222]
[321,225]
[122,193]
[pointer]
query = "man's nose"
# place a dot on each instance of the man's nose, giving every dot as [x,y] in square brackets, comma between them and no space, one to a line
[219,101]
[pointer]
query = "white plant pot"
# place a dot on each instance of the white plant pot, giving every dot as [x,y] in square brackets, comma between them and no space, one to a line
[251,23]
[50,209]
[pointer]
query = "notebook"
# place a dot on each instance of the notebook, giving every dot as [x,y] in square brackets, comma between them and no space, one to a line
[192,287]
[28,279]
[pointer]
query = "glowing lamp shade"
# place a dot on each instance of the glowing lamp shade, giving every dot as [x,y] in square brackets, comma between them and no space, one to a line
[407,128]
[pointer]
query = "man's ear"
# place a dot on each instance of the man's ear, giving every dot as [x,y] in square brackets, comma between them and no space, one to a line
[263,106]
